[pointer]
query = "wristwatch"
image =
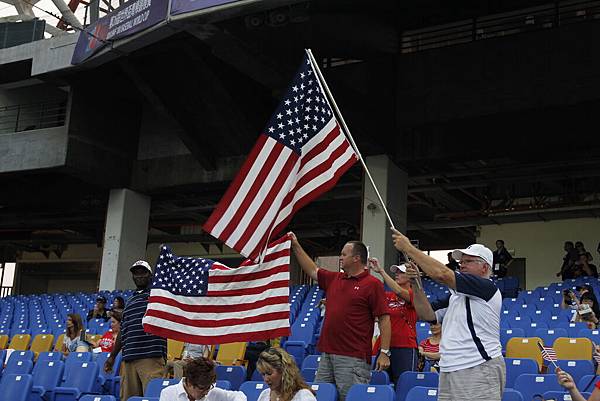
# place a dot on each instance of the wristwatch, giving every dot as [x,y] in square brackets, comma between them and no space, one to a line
[387,352]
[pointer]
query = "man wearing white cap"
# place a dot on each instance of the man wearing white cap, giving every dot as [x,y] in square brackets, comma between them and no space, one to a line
[143,354]
[471,364]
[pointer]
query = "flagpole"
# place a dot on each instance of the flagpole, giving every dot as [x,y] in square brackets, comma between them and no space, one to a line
[346,130]
[549,359]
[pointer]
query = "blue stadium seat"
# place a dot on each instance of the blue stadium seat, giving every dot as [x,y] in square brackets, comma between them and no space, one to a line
[548,335]
[308,374]
[512,395]
[420,393]
[593,335]
[94,397]
[256,376]
[235,374]
[508,333]
[15,387]
[368,392]
[252,389]
[533,327]
[517,366]
[324,391]
[143,399]
[47,375]
[379,377]
[561,395]
[155,386]
[576,368]
[408,380]
[311,361]
[18,367]
[532,384]
[301,341]
[80,379]
[49,356]
[21,355]
[223,384]
[587,383]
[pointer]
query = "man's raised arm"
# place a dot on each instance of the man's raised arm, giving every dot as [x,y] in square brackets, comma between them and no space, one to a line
[306,263]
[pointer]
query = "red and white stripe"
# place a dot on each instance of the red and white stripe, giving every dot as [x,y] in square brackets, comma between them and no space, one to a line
[248,303]
[274,183]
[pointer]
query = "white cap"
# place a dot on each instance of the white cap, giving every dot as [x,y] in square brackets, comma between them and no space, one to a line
[396,268]
[141,263]
[475,250]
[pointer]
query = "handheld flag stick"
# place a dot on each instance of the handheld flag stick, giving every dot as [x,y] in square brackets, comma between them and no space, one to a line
[548,354]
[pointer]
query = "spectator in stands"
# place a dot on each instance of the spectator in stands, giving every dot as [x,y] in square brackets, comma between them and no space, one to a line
[190,351]
[585,312]
[566,380]
[569,300]
[198,383]
[143,354]
[253,350]
[99,311]
[354,300]
[502,259]
[567,269]
[471,363]
[584,268]
[107,341]
[452,264]
[118,305]
[282,376]
[429,348]
[74,335]
[580,248]
[403,344]
[588,290]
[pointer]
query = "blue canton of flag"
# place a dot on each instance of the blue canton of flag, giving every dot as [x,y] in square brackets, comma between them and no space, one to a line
[302,113]
[181,275]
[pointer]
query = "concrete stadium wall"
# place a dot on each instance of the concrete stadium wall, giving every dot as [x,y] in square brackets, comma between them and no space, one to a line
[541,244]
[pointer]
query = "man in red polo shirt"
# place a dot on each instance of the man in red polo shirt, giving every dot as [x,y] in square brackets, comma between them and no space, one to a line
[354,300]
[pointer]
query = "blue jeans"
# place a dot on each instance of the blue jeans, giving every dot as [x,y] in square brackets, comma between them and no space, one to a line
[402,360]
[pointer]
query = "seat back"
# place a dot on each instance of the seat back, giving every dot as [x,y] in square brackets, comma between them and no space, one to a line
[525,347]
[81,375]
[378,377]
[3,341]
[562,395]
[577,368]
[16,387]
[512,395]
[236,375]
[309,374]
[50,356]
[420,393]
[408,380]
[42,343]
[223,384]
[21,355]
[573,348]
[230,354]
[155,386]
[324,391]
[311,361]
[517,366]
[96,397]
[531,384]
[20,342]
[549,335]
[48,373]
[59,342]
[174,349]
[252,389]
[368,392]
[18,366]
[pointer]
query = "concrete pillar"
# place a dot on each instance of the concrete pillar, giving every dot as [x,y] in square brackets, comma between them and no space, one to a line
[125,237]
[375,228]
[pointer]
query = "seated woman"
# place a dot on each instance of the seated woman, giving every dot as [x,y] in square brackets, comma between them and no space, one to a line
[585,312]
[281,374]
[74,335]
[429,349]
[198,383]
[566,380]
[117,306]
[107,341]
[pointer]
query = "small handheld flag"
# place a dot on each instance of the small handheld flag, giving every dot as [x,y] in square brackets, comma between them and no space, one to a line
[548,354]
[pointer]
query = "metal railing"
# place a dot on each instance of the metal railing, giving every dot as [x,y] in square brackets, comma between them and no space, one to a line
[499,25]
[25,117]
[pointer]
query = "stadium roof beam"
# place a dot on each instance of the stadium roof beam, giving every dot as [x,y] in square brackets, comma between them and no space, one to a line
[231,50]
[200,149]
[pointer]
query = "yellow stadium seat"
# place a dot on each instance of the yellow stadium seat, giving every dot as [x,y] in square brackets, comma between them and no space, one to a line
[232,354]
[174,349]
[573,348]
[525,347]
[59,342]
[20,342]
[3,341]
[42,343]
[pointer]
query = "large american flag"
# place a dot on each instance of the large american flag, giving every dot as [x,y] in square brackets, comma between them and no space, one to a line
[201,301]
[300,154]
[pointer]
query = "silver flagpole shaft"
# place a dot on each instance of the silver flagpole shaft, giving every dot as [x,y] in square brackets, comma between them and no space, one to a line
[336,110]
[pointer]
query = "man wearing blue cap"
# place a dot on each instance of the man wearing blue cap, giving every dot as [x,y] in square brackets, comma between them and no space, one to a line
[471,364]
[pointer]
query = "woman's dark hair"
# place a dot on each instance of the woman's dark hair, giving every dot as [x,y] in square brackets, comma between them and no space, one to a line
[121,302]
[77,325]
[118,316]
[200,372]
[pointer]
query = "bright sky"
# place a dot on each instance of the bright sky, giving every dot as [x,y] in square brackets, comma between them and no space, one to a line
[8,10]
